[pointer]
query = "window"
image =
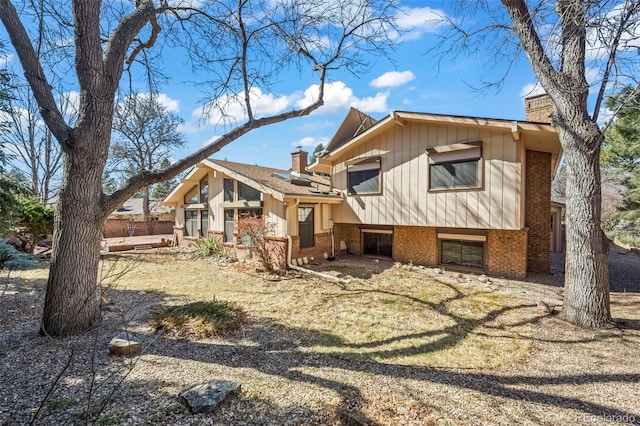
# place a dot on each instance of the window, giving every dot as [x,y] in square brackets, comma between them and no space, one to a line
[191,223]
[204,223]
[247,193]
[305,226]
[462,253]
[364,176]
[228,190]
[243,238]
[192,196]
[204,190]
[456,166]
[229,226]
[377,243]
[462,174]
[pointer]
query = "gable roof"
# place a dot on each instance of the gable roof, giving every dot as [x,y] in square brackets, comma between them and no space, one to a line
[354,123]
[399,118]
[276,182]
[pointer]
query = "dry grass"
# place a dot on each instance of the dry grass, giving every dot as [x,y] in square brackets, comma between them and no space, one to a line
[397,316]
[397,345]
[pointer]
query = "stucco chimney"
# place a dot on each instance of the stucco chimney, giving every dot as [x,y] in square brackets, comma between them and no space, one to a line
[299,159]
[539,108]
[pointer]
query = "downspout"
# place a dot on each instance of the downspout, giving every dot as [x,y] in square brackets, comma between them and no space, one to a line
[290,245]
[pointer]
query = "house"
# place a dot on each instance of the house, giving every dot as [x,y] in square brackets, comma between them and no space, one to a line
[464,192]
[296,206]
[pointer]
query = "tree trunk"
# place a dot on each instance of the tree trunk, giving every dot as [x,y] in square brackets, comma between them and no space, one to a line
[586,288]
[145,204]
[71,303]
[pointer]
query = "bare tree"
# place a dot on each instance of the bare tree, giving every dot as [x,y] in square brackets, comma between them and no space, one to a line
[560,38]
[145,135]
[38,155]
[242,45]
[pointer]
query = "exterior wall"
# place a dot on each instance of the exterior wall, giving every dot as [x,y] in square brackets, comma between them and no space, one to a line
[405,199]
[322,246]
[505,250]
[507,253]
[537,215]
[350,234]
[539,108]
[416,244]
[120,227]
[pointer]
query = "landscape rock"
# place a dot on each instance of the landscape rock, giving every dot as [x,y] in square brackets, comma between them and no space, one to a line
[483,278]
[123,344]
[207,397]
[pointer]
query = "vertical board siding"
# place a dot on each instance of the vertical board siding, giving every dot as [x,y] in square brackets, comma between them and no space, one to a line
[405,199]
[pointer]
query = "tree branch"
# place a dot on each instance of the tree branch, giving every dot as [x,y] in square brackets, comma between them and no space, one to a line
[624,19]
[524,28]
[35,75]
[146,178]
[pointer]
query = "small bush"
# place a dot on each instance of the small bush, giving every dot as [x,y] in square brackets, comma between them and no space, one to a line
[200,319]
[211,246]
[12,258]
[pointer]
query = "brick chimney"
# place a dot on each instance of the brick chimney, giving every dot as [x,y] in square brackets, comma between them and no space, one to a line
[538,108]
[299,160]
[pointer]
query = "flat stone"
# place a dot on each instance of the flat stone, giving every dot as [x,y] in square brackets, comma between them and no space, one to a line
[207,397]
[124,344]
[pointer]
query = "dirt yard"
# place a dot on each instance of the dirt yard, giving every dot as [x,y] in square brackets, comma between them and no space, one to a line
[397,344]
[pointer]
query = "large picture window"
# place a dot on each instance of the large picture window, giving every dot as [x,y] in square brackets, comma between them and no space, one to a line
[451,175]
[364,177]
[196,210]
[456,166]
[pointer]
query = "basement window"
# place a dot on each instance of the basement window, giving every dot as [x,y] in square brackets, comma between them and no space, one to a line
[462,250]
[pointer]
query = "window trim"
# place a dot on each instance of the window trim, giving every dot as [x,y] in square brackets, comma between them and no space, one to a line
[361,165]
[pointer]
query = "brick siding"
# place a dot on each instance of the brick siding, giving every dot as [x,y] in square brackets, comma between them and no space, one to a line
[416,244]
[537,210]
[507,253]
[322,245]
[350,234]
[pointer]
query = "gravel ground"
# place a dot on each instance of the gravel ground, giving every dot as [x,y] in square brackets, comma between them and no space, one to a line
[570,376]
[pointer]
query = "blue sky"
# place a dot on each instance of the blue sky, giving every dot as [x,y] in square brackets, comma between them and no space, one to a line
[414,81]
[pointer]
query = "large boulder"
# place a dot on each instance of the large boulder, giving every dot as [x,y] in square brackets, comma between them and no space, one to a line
[207,397]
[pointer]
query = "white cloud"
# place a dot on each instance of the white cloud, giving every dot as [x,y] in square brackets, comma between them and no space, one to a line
[337,97]
[415,22]
[171,105]
[393,79]
[531,89]
[311,141]
[377,103]
[230,109]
